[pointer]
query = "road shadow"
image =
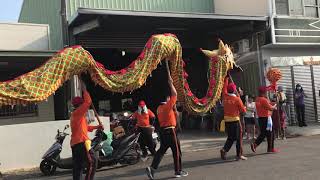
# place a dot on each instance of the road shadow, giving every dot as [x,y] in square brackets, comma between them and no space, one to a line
[167,167]
[37,175]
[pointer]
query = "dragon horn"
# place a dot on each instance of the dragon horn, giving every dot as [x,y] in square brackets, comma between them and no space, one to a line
[210,54]
[221,45]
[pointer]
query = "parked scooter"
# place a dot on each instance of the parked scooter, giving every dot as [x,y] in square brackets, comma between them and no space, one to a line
[125,151]
[51,159]
[130,124]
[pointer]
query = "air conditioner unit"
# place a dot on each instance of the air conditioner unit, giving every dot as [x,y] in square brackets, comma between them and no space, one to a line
[243,46]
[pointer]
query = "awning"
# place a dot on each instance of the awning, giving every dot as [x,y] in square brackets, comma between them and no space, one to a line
[7,53]
[93,12]
[291,45]
[15,63]
[102,28]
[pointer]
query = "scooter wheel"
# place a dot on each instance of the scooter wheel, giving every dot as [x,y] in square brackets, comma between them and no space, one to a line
[47,168]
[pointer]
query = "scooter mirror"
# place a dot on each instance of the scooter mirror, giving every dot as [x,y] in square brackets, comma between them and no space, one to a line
[66,127]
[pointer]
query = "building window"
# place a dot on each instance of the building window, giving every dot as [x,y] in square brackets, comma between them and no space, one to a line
[311,8]
[296,7]
[307,8]
[282,7]
[17,111]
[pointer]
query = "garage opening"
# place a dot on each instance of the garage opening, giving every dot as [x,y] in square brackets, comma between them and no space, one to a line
[156,86]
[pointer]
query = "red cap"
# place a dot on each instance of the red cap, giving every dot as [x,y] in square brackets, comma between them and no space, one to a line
[231,88]
[262,89]
[77,101]
[142,103]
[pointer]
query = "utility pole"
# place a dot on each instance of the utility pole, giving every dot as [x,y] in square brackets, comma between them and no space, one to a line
[64,23]
[61,96]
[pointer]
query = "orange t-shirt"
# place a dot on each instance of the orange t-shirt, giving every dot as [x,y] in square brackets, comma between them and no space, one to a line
[78,121]
[263,106]
[166,115]
[143,120]
[233,105]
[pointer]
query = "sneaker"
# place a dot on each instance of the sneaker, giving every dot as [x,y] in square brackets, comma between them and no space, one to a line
[150,172]
[223,154]
[274,150]
[253,147]
[242,158]
[181,174]
[284,138]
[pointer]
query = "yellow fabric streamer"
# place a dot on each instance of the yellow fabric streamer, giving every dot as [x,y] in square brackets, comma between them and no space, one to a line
[222,126]
[87,144]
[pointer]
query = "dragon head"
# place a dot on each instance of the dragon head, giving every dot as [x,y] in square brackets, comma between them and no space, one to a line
[224,53]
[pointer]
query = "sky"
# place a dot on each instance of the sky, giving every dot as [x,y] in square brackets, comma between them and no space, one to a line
[10,10]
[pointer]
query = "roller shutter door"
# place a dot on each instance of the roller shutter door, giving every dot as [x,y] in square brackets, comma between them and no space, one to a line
[302,75]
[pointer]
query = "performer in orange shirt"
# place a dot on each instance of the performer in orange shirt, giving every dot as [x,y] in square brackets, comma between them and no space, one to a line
[143,116]
[233,106]
[264,112]
[168,137]
[80,142]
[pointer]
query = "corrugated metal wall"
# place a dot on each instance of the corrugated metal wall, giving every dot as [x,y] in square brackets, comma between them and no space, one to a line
[248,80]
[200,6]
[48,11]
[302,75]
[316,72]
[44,12]
[286,83]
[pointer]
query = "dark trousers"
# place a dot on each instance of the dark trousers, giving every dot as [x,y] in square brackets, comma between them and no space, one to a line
[80,158]
[263,122]
[146,139]
[234,132]
[168,138]
[300,113]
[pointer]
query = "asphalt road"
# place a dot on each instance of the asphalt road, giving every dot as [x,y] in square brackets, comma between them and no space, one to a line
[298,160]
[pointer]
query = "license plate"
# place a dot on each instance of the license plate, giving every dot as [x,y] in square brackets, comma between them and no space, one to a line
[154,135]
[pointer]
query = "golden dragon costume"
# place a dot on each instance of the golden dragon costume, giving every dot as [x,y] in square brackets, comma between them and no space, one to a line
[42,82]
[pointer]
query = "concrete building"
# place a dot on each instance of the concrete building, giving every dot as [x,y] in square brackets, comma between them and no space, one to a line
[291,43]
[24,47]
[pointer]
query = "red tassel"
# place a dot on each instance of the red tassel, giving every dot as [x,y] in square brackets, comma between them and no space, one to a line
[212,82]
[141,56]
[185,75]
[196,100]
[149,43]
[132,65]
[186,85]
[123,71]
[183,63]
[108,72]
[99,65]
[214,59]
[189,94]
[204,100]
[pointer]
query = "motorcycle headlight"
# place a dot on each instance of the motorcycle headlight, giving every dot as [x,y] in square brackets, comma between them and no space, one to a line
[126,114]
